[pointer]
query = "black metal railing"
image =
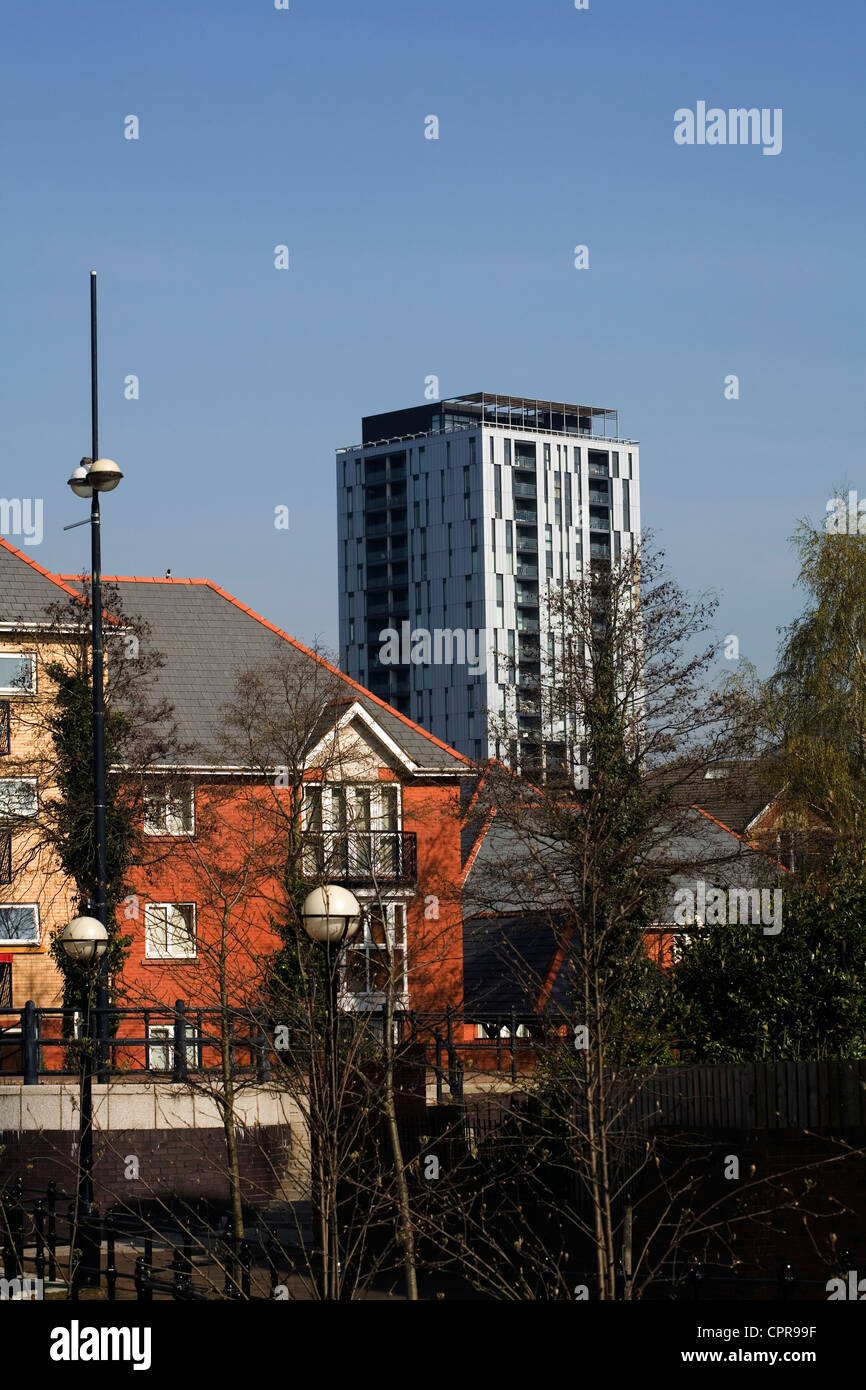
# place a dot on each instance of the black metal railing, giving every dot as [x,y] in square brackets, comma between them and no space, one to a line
[42,1241]
[362,856]
[174,1043]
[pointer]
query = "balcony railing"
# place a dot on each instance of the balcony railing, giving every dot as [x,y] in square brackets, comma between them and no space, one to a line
[361,856]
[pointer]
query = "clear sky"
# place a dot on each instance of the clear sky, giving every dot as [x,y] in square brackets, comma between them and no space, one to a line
[411,257]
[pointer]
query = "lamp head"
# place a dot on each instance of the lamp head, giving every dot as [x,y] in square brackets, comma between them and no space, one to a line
[331,914]
[79,480]
[84,939]
[104,475]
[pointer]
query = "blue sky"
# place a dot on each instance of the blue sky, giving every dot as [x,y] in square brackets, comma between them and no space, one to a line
[412,257]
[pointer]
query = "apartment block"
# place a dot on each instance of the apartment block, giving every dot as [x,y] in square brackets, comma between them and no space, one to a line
[454,517]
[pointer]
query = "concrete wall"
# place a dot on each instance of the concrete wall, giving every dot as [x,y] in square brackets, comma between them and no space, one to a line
[154,1140]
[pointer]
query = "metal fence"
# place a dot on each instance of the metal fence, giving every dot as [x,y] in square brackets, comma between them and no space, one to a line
[44,1236]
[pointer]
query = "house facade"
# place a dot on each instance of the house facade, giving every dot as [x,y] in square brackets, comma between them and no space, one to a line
[375,799]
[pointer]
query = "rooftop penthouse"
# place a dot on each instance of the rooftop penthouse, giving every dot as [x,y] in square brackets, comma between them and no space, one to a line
[520,413]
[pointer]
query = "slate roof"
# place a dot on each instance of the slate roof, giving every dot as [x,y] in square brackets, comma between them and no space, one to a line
[510,910]
[26,589]
[734,792]
[207,636]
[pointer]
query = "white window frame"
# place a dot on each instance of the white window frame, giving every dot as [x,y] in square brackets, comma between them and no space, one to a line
[18,941]
[504,1032]
[160,1039]
[330,792]
[164,793]
[150,954]
[20,781]
[363,942]
[17,689]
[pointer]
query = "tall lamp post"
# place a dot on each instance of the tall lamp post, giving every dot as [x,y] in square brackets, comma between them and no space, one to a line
[84,941]
[331,916]
[90,478]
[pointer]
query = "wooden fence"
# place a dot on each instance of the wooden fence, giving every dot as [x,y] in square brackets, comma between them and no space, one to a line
[753,1096]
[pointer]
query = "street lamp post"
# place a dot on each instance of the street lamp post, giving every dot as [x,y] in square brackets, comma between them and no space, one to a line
[90,478]
[84,940]
[331,916]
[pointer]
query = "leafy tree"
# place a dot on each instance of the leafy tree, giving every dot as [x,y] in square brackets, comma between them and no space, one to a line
[814,707]
[740,996]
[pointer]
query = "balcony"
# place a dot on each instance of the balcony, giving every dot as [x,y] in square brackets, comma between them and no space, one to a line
[361,856]
[527,624]
[599,495]
[524,513]
[525,571]
[525,490]
[598,470]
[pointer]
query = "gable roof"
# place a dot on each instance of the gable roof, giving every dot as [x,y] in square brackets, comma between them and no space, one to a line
[206,635]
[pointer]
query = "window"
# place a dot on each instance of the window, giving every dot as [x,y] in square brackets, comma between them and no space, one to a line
[490,1030]
[615,458]
[626,505]
[160,1051]
[5,727]
[169,931]
[467,500]
[351,831]
[500,600]
[17,673]
[5,857]
[497,489]
[367,954]
[19,922]
[507,446]
[169,810]
[547,455]
[18,796]
[472,450]
[492,449]
[509,545]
